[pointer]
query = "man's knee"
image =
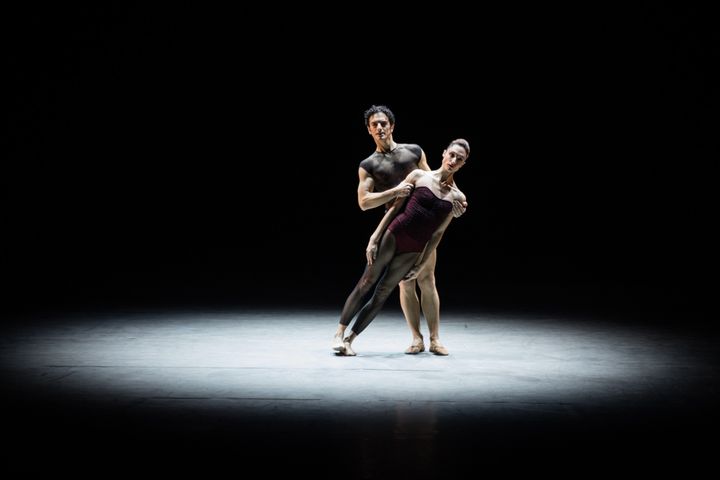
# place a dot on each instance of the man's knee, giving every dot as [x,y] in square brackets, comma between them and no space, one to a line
[426,279]
[408,286]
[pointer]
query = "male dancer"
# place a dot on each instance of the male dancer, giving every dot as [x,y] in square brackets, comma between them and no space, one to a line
[381,180]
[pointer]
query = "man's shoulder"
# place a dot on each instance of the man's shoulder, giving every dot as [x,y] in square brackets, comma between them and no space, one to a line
[413,148]
[370,161]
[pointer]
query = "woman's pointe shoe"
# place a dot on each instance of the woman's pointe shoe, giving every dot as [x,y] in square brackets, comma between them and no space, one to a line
[337,343]
[416,347]
[438,349]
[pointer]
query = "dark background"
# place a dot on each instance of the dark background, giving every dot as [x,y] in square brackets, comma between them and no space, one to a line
[197,155]
[180,156]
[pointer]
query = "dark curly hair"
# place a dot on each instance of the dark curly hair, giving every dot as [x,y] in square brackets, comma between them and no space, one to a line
[379,109]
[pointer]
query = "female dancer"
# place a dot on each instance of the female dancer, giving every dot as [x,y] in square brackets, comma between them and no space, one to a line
[402,246]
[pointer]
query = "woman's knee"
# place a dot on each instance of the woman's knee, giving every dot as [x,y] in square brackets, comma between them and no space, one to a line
[381,294]
[366,282]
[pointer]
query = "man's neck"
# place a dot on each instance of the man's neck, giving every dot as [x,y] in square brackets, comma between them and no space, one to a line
[389,148]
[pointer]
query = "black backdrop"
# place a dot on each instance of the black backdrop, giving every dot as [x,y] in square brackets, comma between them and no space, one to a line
[188,155]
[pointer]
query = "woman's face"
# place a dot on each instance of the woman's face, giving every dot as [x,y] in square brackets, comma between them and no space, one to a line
[454,158]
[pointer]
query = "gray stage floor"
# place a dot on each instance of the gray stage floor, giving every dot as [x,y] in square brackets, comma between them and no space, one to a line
[203,390]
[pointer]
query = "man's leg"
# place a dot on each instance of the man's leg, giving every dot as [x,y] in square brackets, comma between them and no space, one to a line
[431,304]
[411,309]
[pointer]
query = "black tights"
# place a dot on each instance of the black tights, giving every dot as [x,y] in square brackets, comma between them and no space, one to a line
[389,268]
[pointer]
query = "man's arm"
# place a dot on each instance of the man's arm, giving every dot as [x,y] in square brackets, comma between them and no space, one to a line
[368,199]
[422,164]
[390,214]
[459,206]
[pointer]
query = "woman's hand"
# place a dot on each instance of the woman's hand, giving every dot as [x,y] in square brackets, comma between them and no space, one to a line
[371,250]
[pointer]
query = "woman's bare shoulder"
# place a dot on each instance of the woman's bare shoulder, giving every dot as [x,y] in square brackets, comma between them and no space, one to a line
[458,194]
[416,174]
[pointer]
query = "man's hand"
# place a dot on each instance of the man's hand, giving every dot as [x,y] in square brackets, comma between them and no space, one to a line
[404,189]
[458,208]
[413,273]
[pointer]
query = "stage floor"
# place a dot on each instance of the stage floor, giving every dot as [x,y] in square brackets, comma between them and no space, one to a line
[200,390]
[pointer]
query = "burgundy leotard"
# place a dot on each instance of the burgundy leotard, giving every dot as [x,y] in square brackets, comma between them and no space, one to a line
[422,215]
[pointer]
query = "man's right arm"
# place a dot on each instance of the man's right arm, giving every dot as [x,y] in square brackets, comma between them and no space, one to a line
[422,163]
[368,199]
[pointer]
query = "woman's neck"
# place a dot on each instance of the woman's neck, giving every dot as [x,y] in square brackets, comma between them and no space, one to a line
[444,177]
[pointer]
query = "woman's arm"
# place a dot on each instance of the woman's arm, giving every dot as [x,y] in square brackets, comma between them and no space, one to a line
[371,250]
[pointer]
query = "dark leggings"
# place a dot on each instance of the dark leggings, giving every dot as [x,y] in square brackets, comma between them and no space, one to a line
[389,268]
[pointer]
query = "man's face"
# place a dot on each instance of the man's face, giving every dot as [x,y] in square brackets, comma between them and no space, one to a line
[379,126]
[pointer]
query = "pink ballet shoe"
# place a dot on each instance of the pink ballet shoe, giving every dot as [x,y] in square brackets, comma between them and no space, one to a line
[416,347]
[438,349]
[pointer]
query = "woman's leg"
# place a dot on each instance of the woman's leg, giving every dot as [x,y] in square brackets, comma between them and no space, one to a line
[396,270]
[369,277]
